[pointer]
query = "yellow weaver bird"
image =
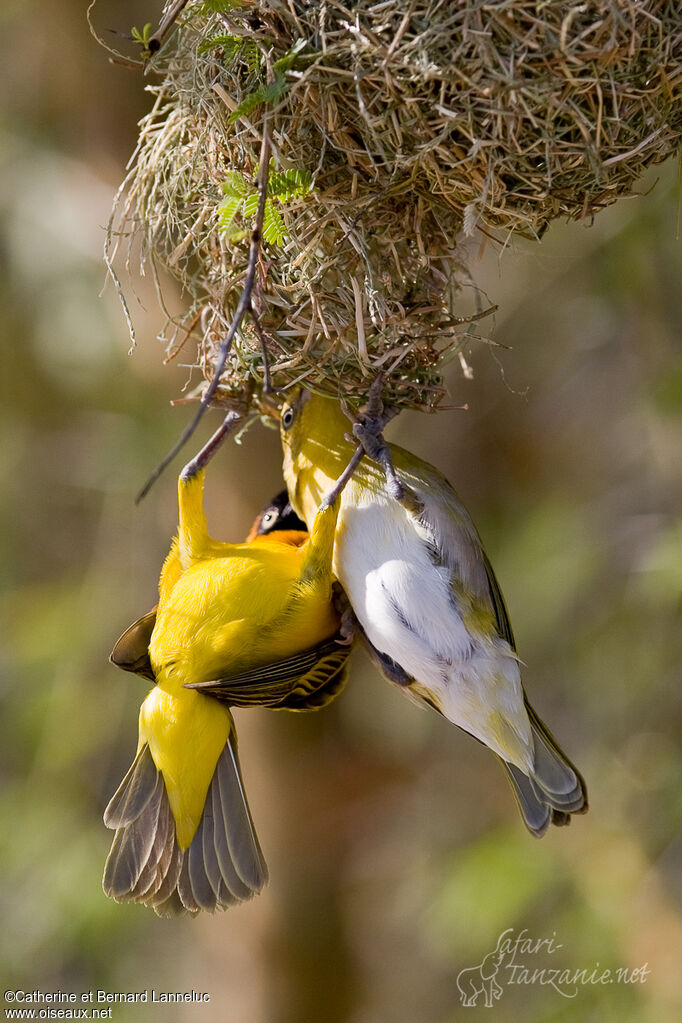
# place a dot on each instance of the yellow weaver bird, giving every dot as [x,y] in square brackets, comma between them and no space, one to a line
[236,625]
[131,652]
[426,597]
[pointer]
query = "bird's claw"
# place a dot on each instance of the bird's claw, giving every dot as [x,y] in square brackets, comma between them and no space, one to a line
[349,625]
[368,435]
[368,429]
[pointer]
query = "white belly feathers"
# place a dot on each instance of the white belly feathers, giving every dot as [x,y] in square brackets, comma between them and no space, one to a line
[406,606]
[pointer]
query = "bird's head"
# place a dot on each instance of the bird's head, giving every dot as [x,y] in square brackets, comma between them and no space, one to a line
[316,451]
[309,420]
[294,419]
[279,518]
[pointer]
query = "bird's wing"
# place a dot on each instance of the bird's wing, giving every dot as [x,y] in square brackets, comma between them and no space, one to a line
[131,651]
[304,681]
[500,608]
[322,684]
[224,863]
[454,543]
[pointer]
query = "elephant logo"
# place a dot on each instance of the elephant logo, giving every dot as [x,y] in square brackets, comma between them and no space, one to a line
[480,980]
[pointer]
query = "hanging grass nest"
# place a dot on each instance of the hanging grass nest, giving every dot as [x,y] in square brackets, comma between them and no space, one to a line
[394,127]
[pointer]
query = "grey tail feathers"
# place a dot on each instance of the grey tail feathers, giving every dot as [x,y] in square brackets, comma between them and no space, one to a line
[223,864]
[555,790]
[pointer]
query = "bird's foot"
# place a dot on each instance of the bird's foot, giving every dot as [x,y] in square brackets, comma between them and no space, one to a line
[349,626]
[387,666]
[204,456]
[368,429]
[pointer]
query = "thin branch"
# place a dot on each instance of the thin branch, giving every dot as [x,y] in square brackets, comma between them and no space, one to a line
[201,459]
[165,25]
[329,498]
[243,305]
[256,240]
[267,381]
[188,333]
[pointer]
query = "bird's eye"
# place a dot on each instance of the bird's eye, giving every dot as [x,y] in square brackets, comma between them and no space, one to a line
[288,416]
[269,517]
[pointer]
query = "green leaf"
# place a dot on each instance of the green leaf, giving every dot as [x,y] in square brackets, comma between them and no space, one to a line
[274,229]
[264,94]
[229,43]
[234,47]
[289,184]
[252,57]
[142,38]
[240,195]
[274,91]
[235,234]
[290,58]
[235,185]
[247,105]
[218,6]
[251,205]
[228,211]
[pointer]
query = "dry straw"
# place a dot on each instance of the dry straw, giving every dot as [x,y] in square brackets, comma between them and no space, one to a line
[394,127]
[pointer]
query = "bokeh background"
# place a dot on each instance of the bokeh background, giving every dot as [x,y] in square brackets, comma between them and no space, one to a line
[397,856]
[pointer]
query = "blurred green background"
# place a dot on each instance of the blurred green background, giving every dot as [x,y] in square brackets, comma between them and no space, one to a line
[396,853]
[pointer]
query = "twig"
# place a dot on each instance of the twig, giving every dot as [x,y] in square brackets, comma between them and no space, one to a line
[243,305]
[188,331]
[245,299]
[209,449]
[165,25]
[267,381]
[329,498]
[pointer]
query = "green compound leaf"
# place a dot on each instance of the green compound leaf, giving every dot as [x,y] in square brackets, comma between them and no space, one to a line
[142,39]
[264,94]
[218,6]
[251,205]
[143,36]
[242,198]
[272,92]
[289,184]
[274,230]
[291,58]
[235,185]
[227,211]
[234,48]
[230,45]
[235,234]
